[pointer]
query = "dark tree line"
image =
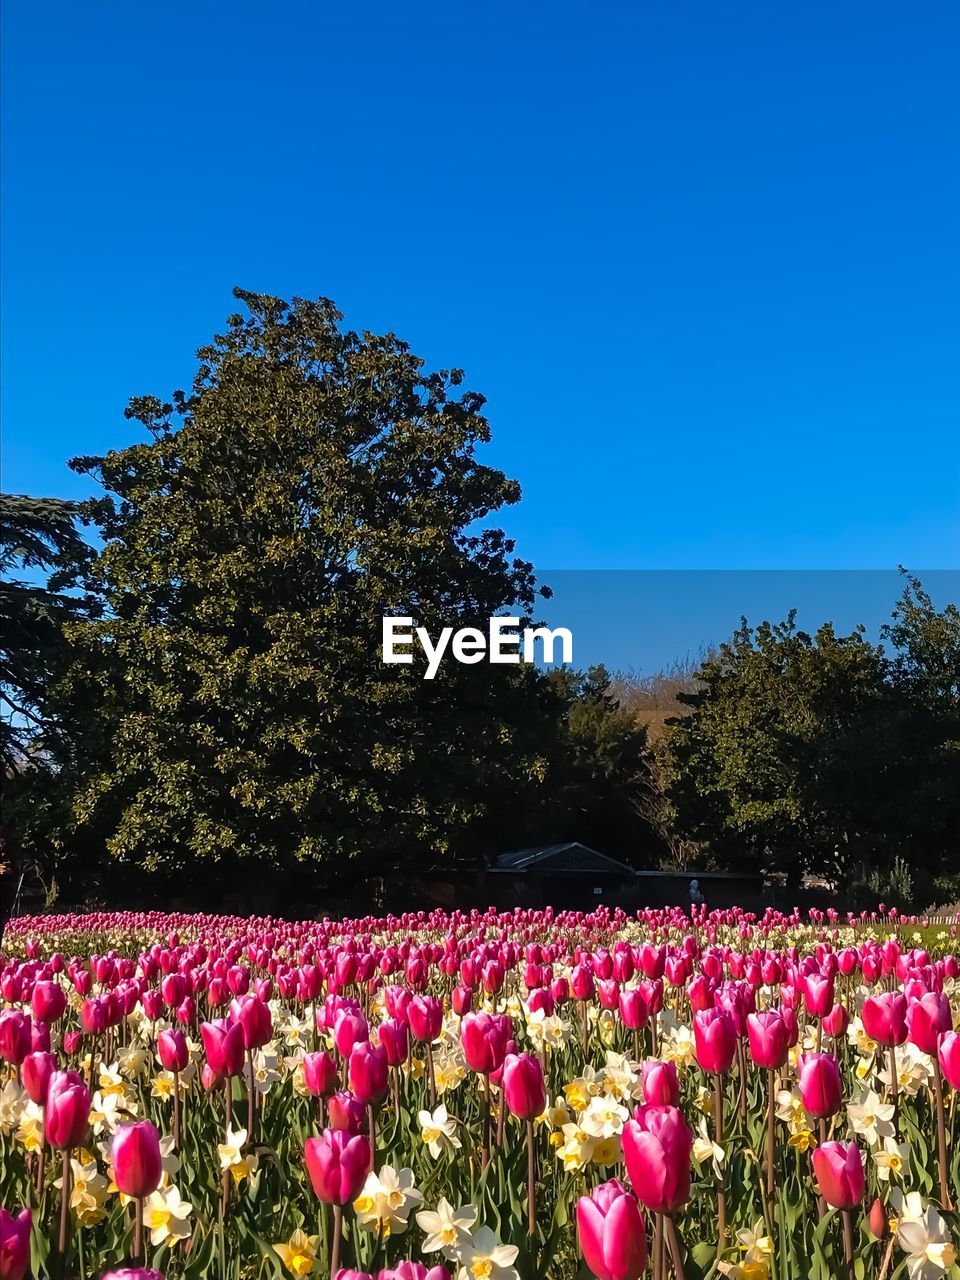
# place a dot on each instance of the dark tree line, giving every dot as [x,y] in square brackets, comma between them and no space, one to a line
[201,699]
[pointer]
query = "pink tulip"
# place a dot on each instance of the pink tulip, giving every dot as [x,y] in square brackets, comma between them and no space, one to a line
[368,1073]
[818,994]
[484,1038]
[15,1243]
[224,1046]
[633,1009]
[68,1110]
[523,1086]
[319,1074]
[49,1002]
[346,1112]
[349,1029]
[337,1163]
[612,1232]
[715,1039]
[172,1050]
[927,1020]
[885,1018]
[949,1058]
[821,1090]
[839,1170]
[835,1023]
[36,1072]
[254,1017]
[661,1083]
[769,1038]
[15,1039]
[137,1167]
[656,1149]
[425,1018]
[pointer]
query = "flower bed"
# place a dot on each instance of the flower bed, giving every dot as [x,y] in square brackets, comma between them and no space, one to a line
[482,1096]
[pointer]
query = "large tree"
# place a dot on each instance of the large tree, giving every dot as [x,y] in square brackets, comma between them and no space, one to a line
[231,704]
[824,753]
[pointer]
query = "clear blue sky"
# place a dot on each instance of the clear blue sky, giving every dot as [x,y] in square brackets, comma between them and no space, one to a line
[702,258]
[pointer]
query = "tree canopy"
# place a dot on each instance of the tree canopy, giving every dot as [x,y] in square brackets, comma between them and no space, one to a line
[822,753]
[39,549]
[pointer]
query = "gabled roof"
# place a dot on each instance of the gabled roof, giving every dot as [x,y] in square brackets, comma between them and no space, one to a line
[543,855]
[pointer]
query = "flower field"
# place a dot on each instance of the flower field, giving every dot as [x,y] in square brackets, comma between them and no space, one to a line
[480,1097]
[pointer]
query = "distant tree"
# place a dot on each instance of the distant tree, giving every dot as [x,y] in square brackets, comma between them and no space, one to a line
[825,754]
[778,762]
[230,708]
[40,548]
[603,766]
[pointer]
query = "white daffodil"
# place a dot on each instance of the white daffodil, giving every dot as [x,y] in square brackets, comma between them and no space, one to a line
[870,1117]
[232,1157]
[927,1244]
[385,1201]
[483,1257]
[165,1216]
[604,1117]
[447,1228]
[704,1149]
[12,1101]
[439,1131]
[109,1110]
[892,1160]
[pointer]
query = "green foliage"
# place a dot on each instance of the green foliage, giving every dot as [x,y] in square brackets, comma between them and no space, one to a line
[825,754]
[231,704]
[229,709]
[604,764]
[38,537]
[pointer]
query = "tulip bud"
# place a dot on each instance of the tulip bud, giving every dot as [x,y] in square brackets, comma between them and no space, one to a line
[394,1040]
[349,1029]
[877,1221]
[224,1046]
[49,1002]
[928,1019]
[254,1017]
[633,1009]
[346,1112]
[769,1038]
[425,1018]
[885,1018]
[484,1038]
[948,1056]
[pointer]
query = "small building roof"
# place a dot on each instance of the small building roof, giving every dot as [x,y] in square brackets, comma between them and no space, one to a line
[570,856]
